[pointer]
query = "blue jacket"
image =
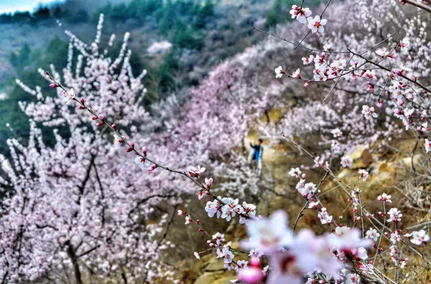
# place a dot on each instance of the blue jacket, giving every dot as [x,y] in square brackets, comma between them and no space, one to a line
[258,152]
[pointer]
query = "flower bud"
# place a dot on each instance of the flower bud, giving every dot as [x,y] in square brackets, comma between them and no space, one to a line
[255,262]
[114,126]
[152,168]
[132,146]
[82,100]
[144,151]
[80,107]
[250,275]
[54,85]
[208,182]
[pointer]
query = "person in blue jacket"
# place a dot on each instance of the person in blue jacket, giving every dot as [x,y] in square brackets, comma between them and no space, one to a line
[257,153]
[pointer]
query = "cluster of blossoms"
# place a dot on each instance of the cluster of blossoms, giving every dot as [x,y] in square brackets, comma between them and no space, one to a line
[419,237]
[310,192]
[218,242]
[394,215]
[397,257]
[387,72]
[302,15]
[226,208]
[293,257]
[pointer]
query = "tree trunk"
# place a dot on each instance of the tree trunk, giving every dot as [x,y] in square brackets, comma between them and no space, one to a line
[71,253]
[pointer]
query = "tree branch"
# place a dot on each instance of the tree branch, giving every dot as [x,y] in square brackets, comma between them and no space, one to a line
[417,4]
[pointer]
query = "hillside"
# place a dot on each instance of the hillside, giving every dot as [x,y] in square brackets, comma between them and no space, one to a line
[218,142]
[200,34]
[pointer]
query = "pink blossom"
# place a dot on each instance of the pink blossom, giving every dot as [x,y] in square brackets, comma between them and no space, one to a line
[300,14]
[346,161]
[337,133]
[307,254]
[427,145]
[208,182]
[296,74]
[152,168]
[382,52]
[370,74]
[195,171]
[368,112]
[320,73]
[230,208]
[395,237]
[295,172]
[348,239]
[279,72]
[419,237]
[268,235]
[372,234]
[352,278]
[291,266]
[308,60]
[316,24]
[213,207]
[394,215]
[404,45]
[384,198]
[363,174]
[188,220]
[327,47]
[307,190]
[324,217]
[219,239]
[70,95]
